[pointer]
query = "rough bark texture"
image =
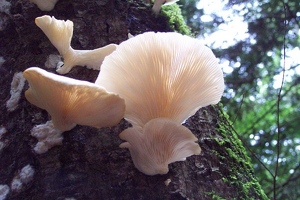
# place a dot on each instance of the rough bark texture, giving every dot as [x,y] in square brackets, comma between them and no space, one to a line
[89,164]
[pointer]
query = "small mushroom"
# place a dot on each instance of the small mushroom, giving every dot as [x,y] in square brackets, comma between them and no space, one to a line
[162,75]
[158,3]
[45,5]
[160,142]
[70,101]
[60,32]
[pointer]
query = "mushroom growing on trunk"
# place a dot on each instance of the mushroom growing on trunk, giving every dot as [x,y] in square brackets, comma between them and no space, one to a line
[45,5]
[159,143]
[70,101]
[60,33]
[158,3]
[161,75]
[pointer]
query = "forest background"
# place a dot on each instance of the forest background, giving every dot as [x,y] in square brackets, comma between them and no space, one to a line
[261,63]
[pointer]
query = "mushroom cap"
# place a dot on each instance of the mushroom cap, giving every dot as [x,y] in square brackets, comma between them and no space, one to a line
[70,101]
[59,32]
[160,142]
[162,75]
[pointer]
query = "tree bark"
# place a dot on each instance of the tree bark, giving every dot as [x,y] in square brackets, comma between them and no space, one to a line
[90,164]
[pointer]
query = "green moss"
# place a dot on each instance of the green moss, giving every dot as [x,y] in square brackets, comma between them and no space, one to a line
[219,141]
[216,197]
[175,18]
[239,161]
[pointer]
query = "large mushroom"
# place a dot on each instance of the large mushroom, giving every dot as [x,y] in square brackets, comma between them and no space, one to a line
[60,33]
[70,101]
[161,76]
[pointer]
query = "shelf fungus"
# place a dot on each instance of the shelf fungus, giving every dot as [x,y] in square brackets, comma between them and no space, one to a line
[70,101]
[161,75]
[60,33]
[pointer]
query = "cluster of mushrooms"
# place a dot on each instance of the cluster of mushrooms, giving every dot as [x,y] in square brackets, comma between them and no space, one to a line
[154,80]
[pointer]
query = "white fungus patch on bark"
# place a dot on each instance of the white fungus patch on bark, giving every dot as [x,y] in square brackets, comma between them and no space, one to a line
[26,174]
[5,6]
[47,135]
[17,85]
[16,185]
[53,61]
[4,190]
[2,131]
[23,177]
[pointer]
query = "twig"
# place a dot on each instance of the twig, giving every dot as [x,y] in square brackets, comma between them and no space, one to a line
[278,106]
[245,144]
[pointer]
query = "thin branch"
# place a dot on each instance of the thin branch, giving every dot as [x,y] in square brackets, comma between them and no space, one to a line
[269,110]
[278,106]
[291,178]
[239,109]
[245,144]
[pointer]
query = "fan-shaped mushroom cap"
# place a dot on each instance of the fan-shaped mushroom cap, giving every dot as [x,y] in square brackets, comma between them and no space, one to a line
[162,75]
[60,32]
[159,143]
[70,101]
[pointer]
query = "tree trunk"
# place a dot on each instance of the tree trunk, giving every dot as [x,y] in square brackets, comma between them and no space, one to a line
[90,164]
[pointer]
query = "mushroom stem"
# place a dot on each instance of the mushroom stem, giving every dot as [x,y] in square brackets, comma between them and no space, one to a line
[92,59]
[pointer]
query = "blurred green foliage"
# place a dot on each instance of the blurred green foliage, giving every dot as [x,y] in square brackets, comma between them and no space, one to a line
[251,98]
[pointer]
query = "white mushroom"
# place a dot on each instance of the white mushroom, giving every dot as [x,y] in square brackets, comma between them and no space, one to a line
[60,32]
[164,78]
[45,5]
[158,3]
[162,75]
[70,101]
[159,143]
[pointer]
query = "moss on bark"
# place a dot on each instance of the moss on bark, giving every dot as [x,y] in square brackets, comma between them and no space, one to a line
[235,151]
